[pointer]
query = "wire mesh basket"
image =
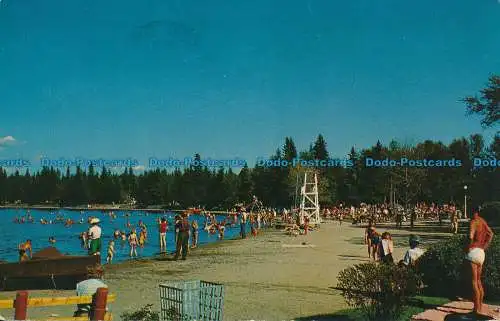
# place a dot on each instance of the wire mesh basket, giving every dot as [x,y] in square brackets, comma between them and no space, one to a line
[191,300]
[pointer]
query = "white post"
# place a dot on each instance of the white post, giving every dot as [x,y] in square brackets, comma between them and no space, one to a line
[465,201]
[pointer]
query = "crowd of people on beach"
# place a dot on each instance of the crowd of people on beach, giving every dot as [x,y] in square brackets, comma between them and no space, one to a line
[137,237]
[254,215]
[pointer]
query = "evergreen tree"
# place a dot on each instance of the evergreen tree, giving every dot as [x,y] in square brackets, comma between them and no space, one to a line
[289,150]
[319,149]
[244,193]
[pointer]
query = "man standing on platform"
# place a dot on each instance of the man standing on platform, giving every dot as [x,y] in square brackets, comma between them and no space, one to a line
[95,237]
[480,238]
[183,237]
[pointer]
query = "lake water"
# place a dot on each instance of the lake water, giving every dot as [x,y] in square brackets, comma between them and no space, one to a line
[68,241]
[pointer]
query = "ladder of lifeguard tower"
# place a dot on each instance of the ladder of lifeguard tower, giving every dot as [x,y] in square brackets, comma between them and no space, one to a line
[309,205]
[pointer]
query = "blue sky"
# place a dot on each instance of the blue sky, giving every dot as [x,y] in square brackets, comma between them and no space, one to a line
[228,79]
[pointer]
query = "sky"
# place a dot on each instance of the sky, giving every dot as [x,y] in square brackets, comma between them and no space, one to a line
[232,78]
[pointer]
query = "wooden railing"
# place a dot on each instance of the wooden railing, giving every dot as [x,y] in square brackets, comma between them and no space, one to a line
[98,312]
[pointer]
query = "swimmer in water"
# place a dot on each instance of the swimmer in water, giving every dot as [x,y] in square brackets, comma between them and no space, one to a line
[221,231]
[24,248]
[142,238]
[132,241]
[52,240]
[123,239]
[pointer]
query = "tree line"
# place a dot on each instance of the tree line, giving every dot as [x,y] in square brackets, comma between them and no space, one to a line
[276,186]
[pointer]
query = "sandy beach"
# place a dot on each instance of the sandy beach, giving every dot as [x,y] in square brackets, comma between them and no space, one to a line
[270,277]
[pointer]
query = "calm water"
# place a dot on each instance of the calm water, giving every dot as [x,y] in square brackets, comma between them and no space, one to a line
[68,241]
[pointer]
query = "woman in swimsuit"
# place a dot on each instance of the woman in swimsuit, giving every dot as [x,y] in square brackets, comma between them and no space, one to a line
[132,241]
[368,237]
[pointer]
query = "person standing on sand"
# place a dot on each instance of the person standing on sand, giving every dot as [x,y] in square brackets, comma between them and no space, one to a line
[177,227]
[480,238]
[95,237]
[454,221]
[243,223]
[370,230]
[163,226]
[386,248]
[183,237]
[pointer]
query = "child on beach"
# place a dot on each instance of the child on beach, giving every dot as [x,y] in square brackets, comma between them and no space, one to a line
[111,252]
[163,227]
[132,241]
[386,248]
[253,230]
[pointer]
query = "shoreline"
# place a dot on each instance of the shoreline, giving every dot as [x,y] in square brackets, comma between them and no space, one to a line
[98,208]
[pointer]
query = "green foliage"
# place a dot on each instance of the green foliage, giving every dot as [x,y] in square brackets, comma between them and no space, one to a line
[491,213]
[222,188]
[442,267]
[146,313]
[488,104]
[445,272]
[380,291]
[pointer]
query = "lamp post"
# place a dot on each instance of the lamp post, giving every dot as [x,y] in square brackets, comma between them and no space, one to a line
[465,201]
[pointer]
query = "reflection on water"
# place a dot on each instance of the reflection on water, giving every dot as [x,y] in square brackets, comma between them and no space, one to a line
[67,238]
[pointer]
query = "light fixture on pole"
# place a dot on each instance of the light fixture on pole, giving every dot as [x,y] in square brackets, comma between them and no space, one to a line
[465,201]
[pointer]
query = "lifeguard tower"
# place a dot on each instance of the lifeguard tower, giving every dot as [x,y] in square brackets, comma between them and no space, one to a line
[309,204]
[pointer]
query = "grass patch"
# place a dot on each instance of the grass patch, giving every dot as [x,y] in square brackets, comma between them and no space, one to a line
[421,304]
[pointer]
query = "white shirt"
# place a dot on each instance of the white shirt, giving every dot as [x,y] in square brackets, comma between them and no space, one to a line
[412,255]
[88,287]
[95,232]
[387,246]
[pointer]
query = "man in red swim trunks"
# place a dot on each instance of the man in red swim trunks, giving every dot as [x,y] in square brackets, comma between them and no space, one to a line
[480,238]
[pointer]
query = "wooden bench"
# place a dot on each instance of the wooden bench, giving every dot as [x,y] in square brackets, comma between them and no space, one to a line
[99,302]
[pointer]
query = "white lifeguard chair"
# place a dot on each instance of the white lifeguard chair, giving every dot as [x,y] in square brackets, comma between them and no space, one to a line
[309,205]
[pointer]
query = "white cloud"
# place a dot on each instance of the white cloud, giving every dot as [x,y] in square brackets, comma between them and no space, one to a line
[7,140]
[139,168]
